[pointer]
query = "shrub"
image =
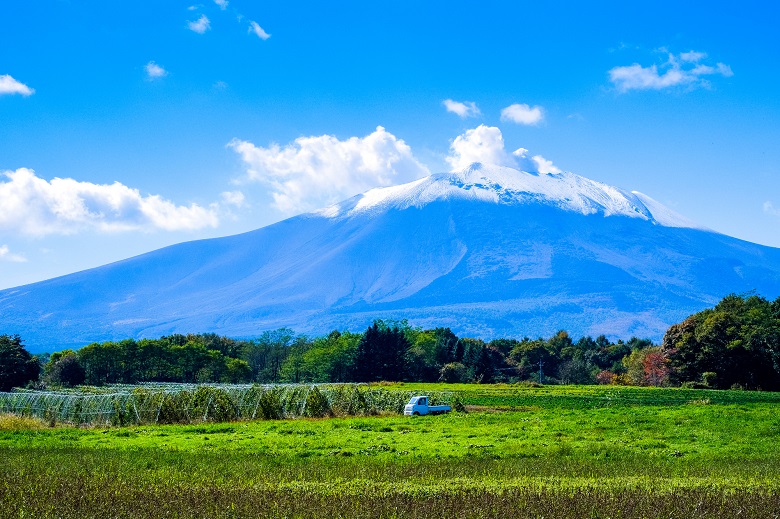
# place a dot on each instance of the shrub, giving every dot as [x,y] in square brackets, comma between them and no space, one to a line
[213,404]
[317,405]
[269,405]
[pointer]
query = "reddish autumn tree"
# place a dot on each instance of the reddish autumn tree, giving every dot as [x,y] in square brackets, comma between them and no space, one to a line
[656,368]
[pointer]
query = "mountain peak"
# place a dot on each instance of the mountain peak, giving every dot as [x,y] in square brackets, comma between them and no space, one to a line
[504,185]
[489,251]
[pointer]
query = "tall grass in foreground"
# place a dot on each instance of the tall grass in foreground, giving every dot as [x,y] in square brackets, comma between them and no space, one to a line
[79,483]
[80,499]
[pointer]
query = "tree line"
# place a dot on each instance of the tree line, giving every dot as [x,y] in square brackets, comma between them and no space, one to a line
[734,344]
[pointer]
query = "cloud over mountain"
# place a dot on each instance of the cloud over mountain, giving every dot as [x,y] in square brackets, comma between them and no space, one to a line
[7,255]
[34,206]
[485,144]
[315,171]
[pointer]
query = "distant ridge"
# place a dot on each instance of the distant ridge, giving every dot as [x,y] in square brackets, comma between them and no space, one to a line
[489,251]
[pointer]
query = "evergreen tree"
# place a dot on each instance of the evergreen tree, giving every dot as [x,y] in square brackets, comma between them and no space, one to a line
[381,354]
[17,366]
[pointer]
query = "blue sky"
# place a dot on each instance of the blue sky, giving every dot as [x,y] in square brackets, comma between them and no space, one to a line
[127,127]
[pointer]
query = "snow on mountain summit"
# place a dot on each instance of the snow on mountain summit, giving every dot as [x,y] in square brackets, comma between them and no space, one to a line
[504,185]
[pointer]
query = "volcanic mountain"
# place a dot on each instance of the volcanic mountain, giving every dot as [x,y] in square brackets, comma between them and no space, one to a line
[488,251]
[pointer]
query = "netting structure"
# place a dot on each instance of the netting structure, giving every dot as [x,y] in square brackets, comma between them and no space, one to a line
[192,403]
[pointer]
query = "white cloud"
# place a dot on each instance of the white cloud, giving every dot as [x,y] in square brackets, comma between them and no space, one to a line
[200,25]
[258,31]
[316,171]
[9,85]
[34,206]
[234,198]
[482,144]
[535,164]
[154,71]
[769,208]
[684,69]
[222,4]
[6,255]
[463,110]
[692,56]
[522,114]
[485,144]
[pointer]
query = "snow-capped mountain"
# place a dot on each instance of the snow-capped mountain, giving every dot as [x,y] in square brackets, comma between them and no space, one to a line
[503,185]
[488,251]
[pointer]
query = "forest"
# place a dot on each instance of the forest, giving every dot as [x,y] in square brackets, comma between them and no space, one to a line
[735,344]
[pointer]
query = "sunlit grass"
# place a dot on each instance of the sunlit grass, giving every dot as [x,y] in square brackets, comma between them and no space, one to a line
[697,458]
[11,422]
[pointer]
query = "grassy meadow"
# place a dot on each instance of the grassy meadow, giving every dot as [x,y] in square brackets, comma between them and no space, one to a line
[552,452]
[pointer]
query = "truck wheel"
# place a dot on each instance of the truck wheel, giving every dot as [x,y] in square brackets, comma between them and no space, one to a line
[416,414]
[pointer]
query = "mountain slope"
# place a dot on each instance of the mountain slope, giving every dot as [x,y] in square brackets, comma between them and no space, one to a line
[488,251]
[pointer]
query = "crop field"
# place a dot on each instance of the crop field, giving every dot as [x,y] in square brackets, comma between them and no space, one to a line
[552,452]
[192,403]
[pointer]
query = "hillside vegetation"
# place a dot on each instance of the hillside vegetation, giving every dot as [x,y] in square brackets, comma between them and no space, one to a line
[736,344]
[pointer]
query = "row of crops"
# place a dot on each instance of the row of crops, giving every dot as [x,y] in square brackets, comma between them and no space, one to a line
[181,403]
[583,397]
[190,403]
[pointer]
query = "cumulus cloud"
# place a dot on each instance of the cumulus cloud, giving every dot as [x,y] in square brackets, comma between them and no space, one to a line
[200,25]
[316,171]
[154,71]
[37,207]
[463,110]
[7,255]
[9,85]
[534,164]
[485,144]
[522,114]
[222,4]
[258,31]
[685,69]
[482,144]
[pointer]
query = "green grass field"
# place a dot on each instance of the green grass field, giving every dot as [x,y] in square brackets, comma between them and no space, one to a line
[552,452]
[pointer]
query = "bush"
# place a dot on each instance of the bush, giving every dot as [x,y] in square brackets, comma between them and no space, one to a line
[269,405]
[709,378]
[213,404]
[694,385]
[317,405]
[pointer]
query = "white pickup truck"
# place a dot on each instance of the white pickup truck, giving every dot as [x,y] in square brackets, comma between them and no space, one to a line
[418,405]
